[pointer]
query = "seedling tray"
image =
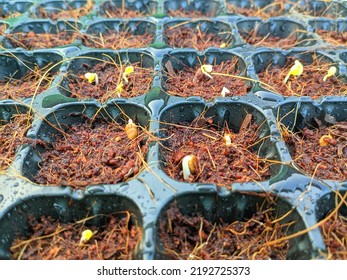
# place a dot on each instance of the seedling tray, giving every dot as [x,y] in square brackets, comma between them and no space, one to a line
[254,180]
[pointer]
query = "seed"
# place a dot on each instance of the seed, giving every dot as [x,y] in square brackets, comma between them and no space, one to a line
[190,166]
[324,140]
[131,130]
[86,235]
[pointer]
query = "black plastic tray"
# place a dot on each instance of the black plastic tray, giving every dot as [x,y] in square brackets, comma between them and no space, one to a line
[152,191]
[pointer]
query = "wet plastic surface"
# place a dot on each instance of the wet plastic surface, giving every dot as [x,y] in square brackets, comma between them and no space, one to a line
[150,193]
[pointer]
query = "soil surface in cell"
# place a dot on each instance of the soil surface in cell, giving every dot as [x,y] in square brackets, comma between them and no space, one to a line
[117,40]
[189,13]
[309,83]
[187,37]
[111,11]
[90,153]
[191,81]
[333,37]
[111,82]
[31,40]
[7,15]
[320,151]
[271,41]
[272,10]
[65,14]
[334,233]
[220,162]
[27,86]
[50,239]
[12,136]
[193,237]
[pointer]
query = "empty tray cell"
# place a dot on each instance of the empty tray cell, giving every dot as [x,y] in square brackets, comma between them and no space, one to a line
[329,9]
[331,31]
[236,227]
[23,75]
[331,212]
[60,228]
[81,146]
[116,34]
[279,32]
[257,8]
[127,8]
[208,76]
[222,144]
[198,34]
[42,34]
[10,9]
[188,8]
[14,123]
[308,73]
[56,10]
[105,75]
[316,137]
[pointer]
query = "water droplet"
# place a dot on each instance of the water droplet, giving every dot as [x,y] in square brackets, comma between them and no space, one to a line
[24,206]
[205,188]
[124,186]
[149,233]
[268,96]
[95,189]
[152,210]
[60,209]
[1,197]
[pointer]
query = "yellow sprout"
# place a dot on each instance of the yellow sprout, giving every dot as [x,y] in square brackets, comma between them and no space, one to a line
[86,235]
[119,88]
[223,45]
[92,77]
[190,166]
[224,91]
[128,70]
[295,70]
[323,140]
[206,69]
[331,72]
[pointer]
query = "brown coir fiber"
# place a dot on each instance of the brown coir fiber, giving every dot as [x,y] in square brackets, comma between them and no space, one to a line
[325,162]
[110,76]
[50,239]
[92,153]
[117,40]
[195,238]
[187,37]
[12,136]
[309,83]
[191,81]
[219,163]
